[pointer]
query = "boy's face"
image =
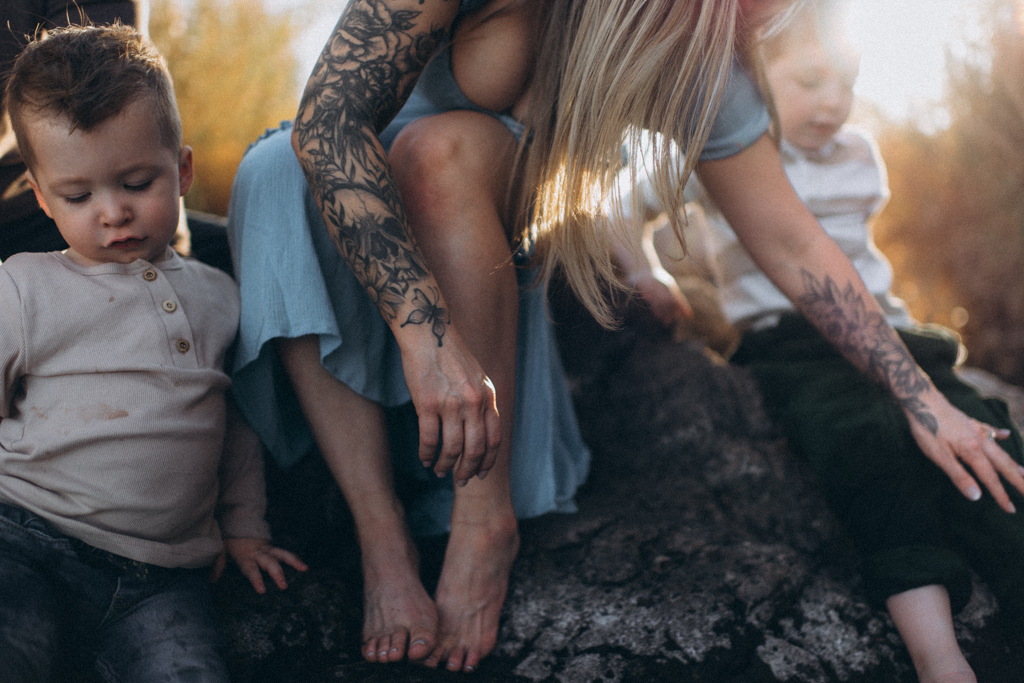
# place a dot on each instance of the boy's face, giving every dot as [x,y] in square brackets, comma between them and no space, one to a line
[113,191]
[757,13]
[813,90]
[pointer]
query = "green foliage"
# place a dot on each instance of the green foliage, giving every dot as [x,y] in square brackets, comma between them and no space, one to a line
[955,226]
[235,74]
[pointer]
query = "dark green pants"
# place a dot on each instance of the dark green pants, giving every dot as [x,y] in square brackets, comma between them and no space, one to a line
[913,527]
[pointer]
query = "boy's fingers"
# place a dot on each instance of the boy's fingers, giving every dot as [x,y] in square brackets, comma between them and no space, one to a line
[272,567]
[251,571]
[218,567]
[289,558]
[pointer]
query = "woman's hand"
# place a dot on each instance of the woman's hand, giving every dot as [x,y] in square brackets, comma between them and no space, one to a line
[786,242]
[456,406]
[960,440]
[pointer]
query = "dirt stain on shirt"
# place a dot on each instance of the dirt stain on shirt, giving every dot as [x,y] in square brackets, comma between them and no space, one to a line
[101,412]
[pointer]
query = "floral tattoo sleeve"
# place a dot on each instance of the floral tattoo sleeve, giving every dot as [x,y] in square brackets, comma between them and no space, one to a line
[864,336]
[360,81]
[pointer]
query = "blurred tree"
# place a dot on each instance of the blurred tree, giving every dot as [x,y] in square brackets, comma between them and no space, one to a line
[955,227]
[234,75]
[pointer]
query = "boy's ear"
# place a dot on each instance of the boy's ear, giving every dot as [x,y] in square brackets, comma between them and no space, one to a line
[185,170]
[39,195]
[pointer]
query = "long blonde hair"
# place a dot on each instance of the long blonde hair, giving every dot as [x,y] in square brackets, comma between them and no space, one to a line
[609,70]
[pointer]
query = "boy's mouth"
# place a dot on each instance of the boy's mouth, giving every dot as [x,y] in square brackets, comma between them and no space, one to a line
[127,244]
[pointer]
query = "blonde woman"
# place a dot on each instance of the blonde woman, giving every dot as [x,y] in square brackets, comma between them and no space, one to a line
[394,279]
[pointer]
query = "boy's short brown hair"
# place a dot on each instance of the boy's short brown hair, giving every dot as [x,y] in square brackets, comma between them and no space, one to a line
[88,74]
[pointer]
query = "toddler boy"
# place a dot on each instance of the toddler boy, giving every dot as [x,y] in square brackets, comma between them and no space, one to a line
[122,467]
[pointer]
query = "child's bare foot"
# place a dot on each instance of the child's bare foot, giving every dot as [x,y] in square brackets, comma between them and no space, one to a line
[961,676]
[399,618]
[948,672]
[924,620]
[471,591]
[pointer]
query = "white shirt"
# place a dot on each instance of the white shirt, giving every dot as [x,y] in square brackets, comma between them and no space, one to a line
[845,186]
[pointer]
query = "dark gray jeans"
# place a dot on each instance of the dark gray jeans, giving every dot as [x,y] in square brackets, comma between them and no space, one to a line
[64,605]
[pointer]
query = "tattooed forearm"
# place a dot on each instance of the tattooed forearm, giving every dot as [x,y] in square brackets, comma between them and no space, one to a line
[362,78]
[864,336]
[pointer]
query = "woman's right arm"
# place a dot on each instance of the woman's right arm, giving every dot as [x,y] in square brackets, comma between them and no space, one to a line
[363,76]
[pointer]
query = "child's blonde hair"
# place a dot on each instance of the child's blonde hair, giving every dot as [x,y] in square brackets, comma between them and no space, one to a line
[87,75]
[607,70]
[818,21]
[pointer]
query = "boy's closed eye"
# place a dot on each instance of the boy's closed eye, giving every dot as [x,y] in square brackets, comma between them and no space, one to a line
[138,187]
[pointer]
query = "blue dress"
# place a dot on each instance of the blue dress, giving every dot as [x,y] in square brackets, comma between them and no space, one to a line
[295,283]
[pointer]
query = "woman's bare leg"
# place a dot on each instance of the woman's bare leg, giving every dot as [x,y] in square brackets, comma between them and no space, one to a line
[399,617]
[452,172]
[925,621]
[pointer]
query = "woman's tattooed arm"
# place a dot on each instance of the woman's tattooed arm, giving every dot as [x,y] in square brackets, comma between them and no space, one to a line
[862,334]
[364,75]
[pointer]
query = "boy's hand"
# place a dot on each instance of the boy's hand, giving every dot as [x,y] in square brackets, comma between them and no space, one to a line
[661,292]
[254,556]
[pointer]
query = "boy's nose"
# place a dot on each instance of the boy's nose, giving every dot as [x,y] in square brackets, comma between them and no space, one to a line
[832,97]
[115,213]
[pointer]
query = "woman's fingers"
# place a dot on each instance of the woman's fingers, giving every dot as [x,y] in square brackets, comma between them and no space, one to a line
[960,477]
[468,432]
[960,443]
[452,444]
[493,422]
[429,436]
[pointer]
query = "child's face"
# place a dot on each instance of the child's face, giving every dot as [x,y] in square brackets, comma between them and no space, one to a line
[113,191]
[813,88]
[757,13]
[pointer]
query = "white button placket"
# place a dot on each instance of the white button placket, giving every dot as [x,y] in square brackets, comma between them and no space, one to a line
[178,332]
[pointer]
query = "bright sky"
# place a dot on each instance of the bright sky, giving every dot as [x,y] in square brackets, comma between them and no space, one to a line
[903,42]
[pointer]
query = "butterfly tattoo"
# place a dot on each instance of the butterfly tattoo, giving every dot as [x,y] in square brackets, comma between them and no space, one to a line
[428,311]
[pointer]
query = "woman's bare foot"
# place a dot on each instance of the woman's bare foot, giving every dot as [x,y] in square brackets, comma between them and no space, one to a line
[471,591]
[399,618]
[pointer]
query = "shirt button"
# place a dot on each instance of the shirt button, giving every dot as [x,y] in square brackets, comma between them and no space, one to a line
[149,275]
[182,345]
[170,306]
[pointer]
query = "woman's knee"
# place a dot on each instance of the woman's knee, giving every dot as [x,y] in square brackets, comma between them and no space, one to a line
[441,162]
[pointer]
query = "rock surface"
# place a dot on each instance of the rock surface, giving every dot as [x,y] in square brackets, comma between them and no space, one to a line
[702,551]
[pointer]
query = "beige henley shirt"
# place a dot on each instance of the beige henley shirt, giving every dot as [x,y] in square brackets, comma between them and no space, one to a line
[112,406]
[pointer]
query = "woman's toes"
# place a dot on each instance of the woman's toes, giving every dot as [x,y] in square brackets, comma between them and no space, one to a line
[455,660]
[370,650]
[434,659]
[396,649]
[420,646]
[471,662]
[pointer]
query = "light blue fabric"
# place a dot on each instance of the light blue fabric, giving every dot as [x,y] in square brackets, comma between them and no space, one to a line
[742,116]
[295,283]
